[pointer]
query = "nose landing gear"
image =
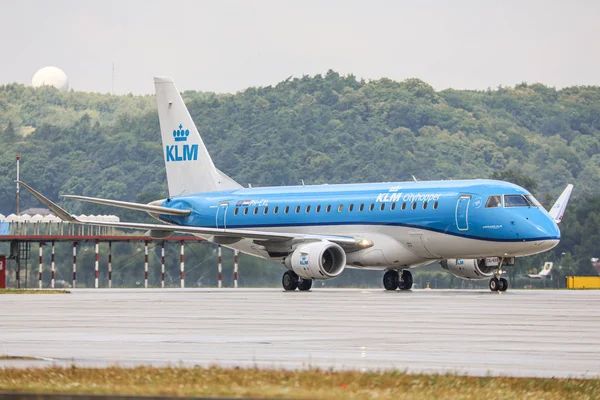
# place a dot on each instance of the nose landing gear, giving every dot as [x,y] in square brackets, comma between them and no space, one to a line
[392,280]
[498,284]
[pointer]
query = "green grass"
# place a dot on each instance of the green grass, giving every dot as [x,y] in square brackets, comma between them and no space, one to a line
[281,384]
[33,291]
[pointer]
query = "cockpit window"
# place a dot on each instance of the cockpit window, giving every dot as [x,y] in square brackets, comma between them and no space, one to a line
[533,201]
[515,200]
[493,202]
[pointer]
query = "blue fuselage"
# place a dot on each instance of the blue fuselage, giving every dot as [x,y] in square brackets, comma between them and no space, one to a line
[457,208]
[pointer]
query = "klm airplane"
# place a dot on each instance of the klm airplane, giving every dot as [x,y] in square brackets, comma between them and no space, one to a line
[473,227]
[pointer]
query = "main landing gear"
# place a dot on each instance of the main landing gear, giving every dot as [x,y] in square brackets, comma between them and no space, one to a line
[291,281]
[392,280]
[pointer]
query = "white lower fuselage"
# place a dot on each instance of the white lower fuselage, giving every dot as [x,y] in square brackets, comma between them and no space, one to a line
[403,247]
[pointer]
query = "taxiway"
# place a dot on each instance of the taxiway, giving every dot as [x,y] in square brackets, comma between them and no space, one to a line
[554,333]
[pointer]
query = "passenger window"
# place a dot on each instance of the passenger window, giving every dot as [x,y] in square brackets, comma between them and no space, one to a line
[404,206]
[236,211]
[493,202]
[392,206]
[340,208]
[307,208]
[382,206]
[286,209]
[435,205]
[246,211]
[266,210]
[328,208]
[362,207]
[297,209]
[424,205]
[515,201]
[414,205]
[371,207]
[351,207]
[255,210]
[275,209]
[318,208]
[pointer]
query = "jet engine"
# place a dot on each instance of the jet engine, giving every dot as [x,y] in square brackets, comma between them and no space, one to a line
[317,260]
[469,269]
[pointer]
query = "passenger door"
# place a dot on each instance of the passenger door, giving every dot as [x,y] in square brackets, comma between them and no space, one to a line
[222,215]
[462,212]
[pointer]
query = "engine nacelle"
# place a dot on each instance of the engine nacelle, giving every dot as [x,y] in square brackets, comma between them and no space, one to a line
[469,269]
[317,260]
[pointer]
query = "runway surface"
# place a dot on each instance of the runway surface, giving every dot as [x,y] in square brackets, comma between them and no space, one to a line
[517,333]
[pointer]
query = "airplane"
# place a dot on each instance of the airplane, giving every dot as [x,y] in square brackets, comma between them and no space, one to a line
[473,227]
[544,273]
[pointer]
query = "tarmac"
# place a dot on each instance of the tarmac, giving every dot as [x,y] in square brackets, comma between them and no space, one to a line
[553,333]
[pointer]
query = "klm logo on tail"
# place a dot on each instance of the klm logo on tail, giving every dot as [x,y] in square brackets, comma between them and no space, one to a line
[184,152]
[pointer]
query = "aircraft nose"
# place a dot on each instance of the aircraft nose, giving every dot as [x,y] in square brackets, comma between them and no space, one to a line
[545,228]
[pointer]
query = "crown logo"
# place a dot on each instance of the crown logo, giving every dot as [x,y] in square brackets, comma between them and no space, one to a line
[181,135]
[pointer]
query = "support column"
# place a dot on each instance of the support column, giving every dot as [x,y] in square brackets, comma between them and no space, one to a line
[162,265]
[220,266]
[146,264]
[74,264]
[96,266]
[182,265]
[40,270]
[109,265]
[235,268]
[52,268]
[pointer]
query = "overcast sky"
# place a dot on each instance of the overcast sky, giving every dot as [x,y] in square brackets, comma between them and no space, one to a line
[227,46]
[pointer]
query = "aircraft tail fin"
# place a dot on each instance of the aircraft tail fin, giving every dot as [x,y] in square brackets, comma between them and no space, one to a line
[190,169]
[546,269]
[558,209]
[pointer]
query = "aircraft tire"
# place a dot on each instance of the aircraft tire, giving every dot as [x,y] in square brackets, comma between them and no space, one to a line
[289,281]
[494,284]
[305,284]
[503,285]
[407,280]
[391,280]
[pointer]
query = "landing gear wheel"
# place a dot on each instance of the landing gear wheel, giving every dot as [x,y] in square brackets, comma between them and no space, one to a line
[494,284]
[406,282]
[289,281]
[503,285]
[304,284]
[391,280]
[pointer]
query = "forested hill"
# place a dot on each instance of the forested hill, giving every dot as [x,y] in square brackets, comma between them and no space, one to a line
[321,129]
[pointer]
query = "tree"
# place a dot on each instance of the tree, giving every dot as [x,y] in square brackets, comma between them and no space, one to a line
[513,176]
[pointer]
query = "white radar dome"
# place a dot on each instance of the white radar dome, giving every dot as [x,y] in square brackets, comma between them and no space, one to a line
[51,76]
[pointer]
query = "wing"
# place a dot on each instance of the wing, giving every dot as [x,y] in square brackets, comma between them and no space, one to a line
[349,243]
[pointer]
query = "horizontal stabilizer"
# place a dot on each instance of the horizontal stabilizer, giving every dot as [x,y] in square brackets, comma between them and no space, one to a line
[132,206]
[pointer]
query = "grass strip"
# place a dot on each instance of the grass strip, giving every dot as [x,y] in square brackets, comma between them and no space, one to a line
[282,384]
[33,291]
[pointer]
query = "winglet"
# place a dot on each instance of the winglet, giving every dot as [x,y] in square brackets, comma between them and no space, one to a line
[558,209]
[55,208]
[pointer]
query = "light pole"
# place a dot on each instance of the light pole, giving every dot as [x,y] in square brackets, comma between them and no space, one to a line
[560,271]
[17,193]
